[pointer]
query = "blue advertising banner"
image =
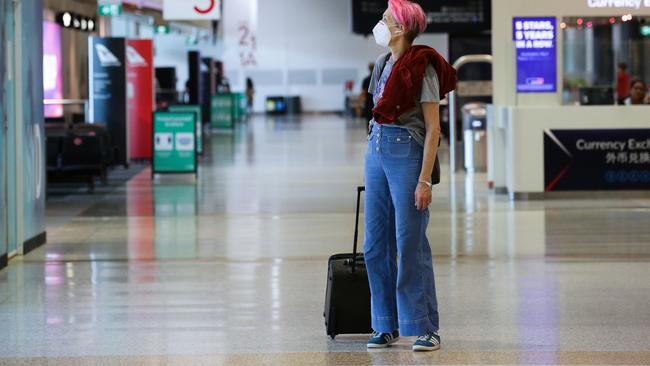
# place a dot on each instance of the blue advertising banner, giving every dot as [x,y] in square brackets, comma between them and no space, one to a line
[535,41]
[577,160]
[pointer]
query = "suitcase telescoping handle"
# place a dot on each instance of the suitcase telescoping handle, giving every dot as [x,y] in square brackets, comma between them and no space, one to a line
[356,229]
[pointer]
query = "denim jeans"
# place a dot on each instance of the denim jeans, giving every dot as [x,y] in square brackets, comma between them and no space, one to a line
[397,252]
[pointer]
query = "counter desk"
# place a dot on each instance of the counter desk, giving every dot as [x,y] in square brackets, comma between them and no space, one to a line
[572,148]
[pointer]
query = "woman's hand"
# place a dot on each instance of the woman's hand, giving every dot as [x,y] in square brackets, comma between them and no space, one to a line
[422,196]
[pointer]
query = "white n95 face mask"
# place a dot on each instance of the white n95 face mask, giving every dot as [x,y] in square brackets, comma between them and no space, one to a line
[382,34]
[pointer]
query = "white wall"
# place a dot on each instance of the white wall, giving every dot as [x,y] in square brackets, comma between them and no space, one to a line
[308,36]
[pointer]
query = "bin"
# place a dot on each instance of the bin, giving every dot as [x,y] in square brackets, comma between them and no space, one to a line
[475,137]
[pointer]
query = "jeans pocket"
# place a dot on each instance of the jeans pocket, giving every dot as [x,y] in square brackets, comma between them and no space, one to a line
[399,147]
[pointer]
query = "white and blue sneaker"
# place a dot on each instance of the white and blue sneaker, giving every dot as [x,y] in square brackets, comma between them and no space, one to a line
[382,340]
[427,342]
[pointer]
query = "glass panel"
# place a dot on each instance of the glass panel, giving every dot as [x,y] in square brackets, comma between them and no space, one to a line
[3,123]
[8,147]
[603,56]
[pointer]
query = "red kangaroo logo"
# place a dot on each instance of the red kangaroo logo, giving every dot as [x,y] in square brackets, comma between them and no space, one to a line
[206,10]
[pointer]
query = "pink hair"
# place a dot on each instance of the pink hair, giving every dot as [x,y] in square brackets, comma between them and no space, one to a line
[408,14]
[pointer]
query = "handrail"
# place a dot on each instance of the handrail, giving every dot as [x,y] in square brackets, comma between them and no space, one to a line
[462,61]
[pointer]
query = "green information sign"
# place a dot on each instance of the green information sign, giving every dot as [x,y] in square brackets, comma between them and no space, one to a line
[108,10]
[162,29]
[238,109]
[222,111]
[174,148]
[199,126]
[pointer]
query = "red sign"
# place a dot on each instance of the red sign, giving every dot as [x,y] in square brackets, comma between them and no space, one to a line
[140,92]
[207,9]
[191,9]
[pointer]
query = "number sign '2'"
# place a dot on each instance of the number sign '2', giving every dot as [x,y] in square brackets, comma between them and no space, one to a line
[191,9]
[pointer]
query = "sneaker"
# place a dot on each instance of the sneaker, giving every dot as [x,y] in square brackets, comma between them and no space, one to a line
[382,340]
[428,342]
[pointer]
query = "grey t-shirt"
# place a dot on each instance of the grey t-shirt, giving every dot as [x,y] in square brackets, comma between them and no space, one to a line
[412,120]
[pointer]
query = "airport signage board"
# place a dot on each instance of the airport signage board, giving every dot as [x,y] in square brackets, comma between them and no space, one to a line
[618,4]
[109,10]
[443,16]
[174,148]
[578,160]
[221,111]
[536,45]
[191,9]
[140,93]
[108,90]
[199,125]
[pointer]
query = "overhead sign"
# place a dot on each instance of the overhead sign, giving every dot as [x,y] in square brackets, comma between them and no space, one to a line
[535,41]
[577,160]
[443,16]
[110,10]
[191,9]
[162,29]
[174,136]
[619,4]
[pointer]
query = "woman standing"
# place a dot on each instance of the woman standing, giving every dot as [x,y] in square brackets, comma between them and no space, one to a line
[407,86]
[250,94]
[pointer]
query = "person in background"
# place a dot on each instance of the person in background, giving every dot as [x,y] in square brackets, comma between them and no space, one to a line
[407,85]
[638,93]
[365,97]
[250,93]
[622,83]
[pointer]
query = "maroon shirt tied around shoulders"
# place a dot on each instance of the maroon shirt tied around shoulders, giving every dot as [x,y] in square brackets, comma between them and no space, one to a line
[404,85]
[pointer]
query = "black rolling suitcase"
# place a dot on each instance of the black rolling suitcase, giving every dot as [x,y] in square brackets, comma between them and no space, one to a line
[347,300]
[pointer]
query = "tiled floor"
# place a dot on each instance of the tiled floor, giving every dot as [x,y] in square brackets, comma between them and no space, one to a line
[230,269]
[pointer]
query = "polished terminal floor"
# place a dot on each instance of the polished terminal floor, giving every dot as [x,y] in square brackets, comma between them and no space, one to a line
[230,269]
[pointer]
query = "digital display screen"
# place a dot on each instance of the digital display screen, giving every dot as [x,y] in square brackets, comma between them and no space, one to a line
[443,16]
[52,68]
[535,41]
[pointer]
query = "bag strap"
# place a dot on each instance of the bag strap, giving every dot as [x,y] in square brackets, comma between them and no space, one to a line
[383,66]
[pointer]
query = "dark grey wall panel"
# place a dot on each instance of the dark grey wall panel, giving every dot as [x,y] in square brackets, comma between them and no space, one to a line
[339,76]
[267,77]
[302,77]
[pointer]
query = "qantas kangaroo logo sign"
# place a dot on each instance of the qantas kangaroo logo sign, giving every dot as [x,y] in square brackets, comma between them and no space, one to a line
[135,59]
[106,57]
[192,9]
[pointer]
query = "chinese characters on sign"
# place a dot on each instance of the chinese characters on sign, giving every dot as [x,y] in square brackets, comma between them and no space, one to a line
[535,41]
[627,158]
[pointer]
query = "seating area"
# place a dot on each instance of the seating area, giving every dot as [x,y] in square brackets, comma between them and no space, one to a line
[82,153]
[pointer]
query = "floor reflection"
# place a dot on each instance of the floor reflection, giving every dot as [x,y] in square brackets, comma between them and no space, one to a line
[231,268]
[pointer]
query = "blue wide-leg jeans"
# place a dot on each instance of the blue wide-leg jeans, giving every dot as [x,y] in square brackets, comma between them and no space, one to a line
[397,252]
